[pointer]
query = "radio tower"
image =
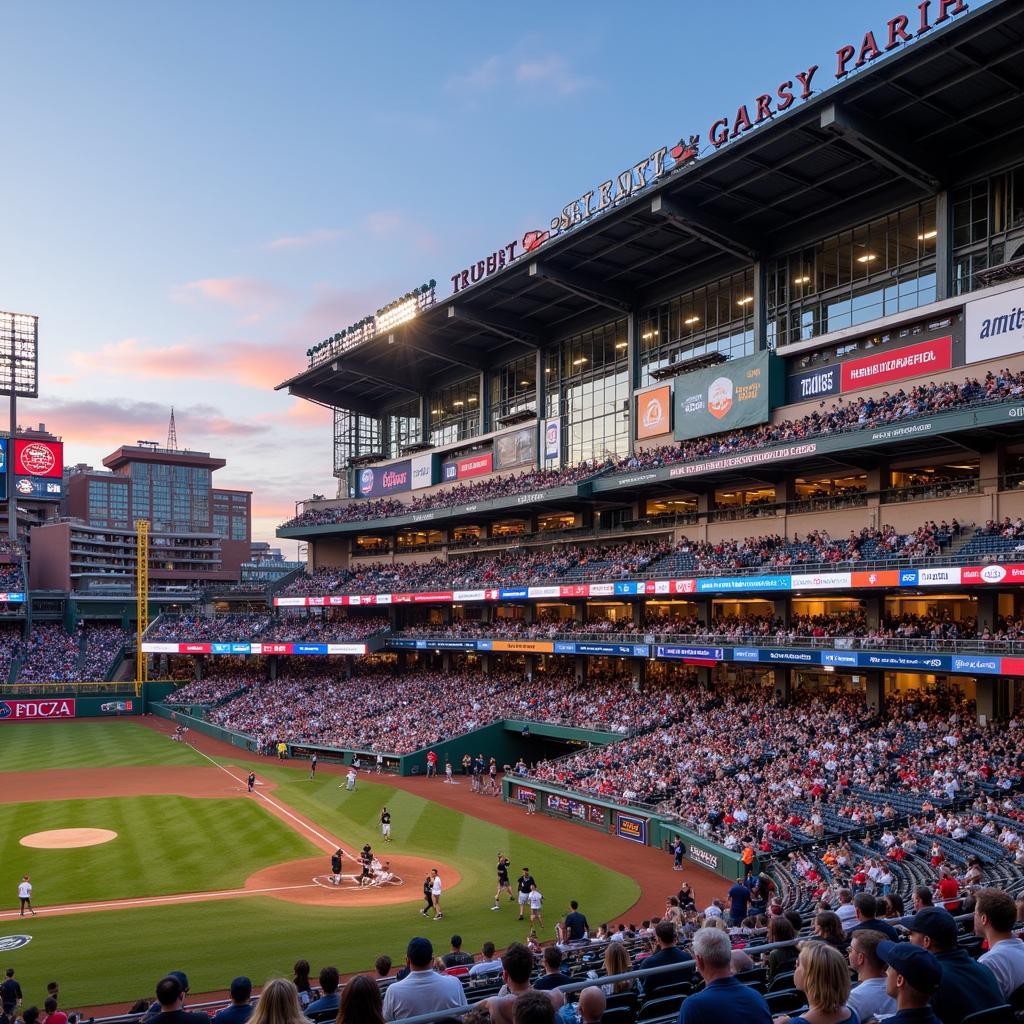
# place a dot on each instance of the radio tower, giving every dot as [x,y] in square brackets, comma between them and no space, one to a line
[172,434]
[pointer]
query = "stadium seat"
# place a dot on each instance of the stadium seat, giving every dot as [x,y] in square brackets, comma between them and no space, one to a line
[993,1015]
[618,1015]
[786,1001]
[781,982]
[629,1000]
[661,1006]
[755,976]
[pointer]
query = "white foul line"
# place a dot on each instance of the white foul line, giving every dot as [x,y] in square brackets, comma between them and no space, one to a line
[273,803]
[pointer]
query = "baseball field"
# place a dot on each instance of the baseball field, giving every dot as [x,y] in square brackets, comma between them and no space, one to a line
[147,855]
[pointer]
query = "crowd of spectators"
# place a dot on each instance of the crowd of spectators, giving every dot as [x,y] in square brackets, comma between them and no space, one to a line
[51,654]
[323,629]
[450,497]
[209,629]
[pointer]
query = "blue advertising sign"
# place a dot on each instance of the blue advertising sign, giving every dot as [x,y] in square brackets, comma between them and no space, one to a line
[513,594]
[309,649]
[619,650]
[631,827]
[976,663]
[372,482]
[927,662]
[627,589]
[719,583]
[793,657]
[40,487]
[848,659]
[745,654]
[698,653]
[908,578]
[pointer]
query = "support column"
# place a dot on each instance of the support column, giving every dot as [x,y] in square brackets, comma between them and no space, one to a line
[633,360]
[873,611]
[272,667]
[484,401]
[784,681]
[540,397]
[986,606]
[347,668]
[403,660]
[531,667]
[639,666]
[197,667]
[985,688]
[579,613]
[760,305]
[580,668]
[875,696]
[703,608]
[781,609]
[446,662]
[638,613]
[991,469]
[487,663]
[703,673]
[424,419]
[944,283]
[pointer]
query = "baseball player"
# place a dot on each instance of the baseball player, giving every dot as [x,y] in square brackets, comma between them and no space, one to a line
[366,859]
[312,768]
[503,885]
[336,866]
[251,781]
[25,895]
[435,893]
[385,824]
[525,882]
[350,780]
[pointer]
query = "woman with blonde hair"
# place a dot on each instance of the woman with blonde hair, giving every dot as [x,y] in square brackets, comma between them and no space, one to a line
[823,975]
[278,1004]
[617,961]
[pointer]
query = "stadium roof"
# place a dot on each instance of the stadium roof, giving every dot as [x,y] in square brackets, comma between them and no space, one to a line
[938,111]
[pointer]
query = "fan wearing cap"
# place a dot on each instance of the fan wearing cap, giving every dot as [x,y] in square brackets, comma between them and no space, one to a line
[966,986]
[241,1004]
[170,998]
[912,978]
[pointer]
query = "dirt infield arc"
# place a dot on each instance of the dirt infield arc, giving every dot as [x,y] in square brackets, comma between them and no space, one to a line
[292,881]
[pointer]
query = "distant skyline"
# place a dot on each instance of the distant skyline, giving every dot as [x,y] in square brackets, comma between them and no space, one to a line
[197,193]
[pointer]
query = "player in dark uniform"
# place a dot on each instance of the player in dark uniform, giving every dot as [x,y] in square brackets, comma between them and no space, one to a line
[503,885]
[366,859]
[312,768]
[336,867]
[525,884]
[492,777]
[385,825]
[428,895]
[251,781]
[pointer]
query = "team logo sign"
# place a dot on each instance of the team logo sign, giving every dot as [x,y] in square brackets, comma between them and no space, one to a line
[37,459]
[5,710]
[366,480]
[654,414]
[720,397]
[9,942]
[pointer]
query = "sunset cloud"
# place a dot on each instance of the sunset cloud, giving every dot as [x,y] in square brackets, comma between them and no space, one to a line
[318,236]
[250,294]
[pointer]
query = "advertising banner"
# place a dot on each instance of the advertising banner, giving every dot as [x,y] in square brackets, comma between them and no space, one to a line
[11,598]
[372,482]
[516,448]
[734,583]
[422,471]
[472,465]
[885,367]
[39,487]
[689,653]
[522,646]
[573,808]
[552,439]
[995,326]
[895,662]
[38,458]
[35,710]
[654,412]
[631,827]
[817,383]
[737,393]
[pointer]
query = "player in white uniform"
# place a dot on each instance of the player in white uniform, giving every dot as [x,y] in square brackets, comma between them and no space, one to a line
[435,892]
[25,895]
[535,900]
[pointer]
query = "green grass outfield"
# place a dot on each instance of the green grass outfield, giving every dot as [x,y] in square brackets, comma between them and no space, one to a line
[117,956]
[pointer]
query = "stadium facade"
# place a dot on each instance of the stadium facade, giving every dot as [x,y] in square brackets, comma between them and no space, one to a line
[663,358]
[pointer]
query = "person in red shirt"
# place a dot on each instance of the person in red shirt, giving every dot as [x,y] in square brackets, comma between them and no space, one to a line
[949,890]
[52,1014]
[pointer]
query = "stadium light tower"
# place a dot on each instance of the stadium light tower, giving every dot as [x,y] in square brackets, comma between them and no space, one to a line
[19,376]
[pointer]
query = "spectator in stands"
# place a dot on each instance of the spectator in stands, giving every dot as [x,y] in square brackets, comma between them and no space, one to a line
[241,1004]
[517,966]
[617,961]
[456,958]
[828,928]
[667,953]
[724,1000]
[551,961]
[301,982]
[533,1007]
[422,990]
[846,911]
[966,986]
[994,916]
[490,964]
[783,959]
[382,965]
[361,1002]
[912,978]
[869,997]
[51,1015]
[170,994]
[329,999]
[823,976]
[278,1004]
[867,917]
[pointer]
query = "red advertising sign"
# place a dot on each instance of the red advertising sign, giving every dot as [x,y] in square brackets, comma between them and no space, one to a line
[882,578]
[992,574]
[33,710]
[476,465]
[195,648]
[899,364]
[38,458]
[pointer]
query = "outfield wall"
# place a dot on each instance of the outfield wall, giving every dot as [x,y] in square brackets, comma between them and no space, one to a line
[633,823]
[44,707]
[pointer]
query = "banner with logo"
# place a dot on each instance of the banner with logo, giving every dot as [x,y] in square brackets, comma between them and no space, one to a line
[552,439]
[375,481]
[516,448]
[737,393]
[38,458]
[631,827]
[472,465]
[897,364]
[422,471]
[654,412]
[35,710]
[817,383]
[995,326]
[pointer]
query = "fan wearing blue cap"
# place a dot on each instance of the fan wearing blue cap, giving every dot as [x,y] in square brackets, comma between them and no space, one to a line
[966,986]
[912,978]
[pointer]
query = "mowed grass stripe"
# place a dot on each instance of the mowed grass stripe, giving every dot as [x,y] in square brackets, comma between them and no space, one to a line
[38,746]
[165,844]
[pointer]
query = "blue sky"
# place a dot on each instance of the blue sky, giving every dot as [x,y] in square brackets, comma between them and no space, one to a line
[196,192]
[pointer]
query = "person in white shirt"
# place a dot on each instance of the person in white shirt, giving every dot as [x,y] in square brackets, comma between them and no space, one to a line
[422,990]
[846,911]
[489,964]
[994,916]
[435,891]
[868,998]
[25,895]
[535,899]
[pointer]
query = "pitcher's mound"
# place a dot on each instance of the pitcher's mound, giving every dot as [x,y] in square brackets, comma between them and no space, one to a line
[68,838]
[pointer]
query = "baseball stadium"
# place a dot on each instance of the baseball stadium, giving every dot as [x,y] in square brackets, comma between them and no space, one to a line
[666,625]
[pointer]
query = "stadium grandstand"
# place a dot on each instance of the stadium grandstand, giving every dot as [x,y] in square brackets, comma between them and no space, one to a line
[702,508]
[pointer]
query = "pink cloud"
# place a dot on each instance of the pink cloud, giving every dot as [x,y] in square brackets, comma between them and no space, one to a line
[246,293]
[318,236]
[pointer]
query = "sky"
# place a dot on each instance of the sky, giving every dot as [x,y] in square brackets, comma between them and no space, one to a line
[194,193]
